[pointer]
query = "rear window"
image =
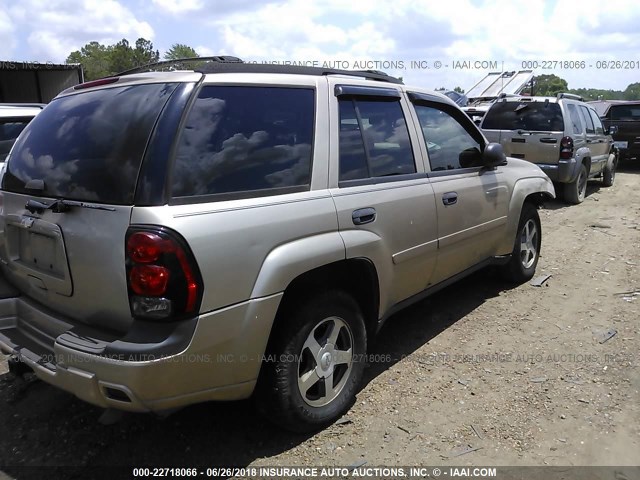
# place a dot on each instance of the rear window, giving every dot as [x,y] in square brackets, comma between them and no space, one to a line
[531,116]
[88,146]
[246,141]
[9,131]
[626,112]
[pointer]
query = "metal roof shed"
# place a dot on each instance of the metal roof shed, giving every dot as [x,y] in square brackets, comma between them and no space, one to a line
[35,82]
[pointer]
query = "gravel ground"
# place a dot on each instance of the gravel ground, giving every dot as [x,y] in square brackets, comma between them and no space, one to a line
[480,374]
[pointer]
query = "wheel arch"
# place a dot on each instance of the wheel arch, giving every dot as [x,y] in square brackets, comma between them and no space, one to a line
[357,277]
[534,190]
[586,161]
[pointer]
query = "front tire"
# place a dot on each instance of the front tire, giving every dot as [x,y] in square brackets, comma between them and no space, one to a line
[314,364]
[526,249]
[575,192]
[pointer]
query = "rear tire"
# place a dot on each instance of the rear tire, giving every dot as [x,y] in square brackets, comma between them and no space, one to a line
[575,192]
[314,363]
[526,248]
[609,172]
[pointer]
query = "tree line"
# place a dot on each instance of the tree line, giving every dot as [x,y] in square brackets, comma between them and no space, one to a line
[550,85]
[100,60]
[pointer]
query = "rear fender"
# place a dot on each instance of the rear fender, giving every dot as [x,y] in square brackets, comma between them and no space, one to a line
[583,155]
[290,260]
[613,158]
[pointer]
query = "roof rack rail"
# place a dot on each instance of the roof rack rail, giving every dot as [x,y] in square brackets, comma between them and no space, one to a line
[179,64]
[229,64]
[509,95]
[570,96]
[28,105]
[243,67]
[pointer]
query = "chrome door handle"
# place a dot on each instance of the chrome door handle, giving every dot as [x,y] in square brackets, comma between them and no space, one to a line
[450,198]
[363,215]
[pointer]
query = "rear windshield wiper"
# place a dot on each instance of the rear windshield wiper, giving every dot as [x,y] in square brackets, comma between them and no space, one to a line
[62,206]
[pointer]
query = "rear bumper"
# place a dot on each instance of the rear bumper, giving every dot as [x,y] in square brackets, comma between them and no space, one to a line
[215,357]
[564,171]
[629,153]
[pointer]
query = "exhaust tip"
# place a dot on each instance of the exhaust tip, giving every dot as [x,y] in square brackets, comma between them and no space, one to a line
[117,394]
[18,367]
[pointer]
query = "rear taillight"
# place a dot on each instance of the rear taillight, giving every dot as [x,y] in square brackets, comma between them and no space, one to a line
[149,280]
[566,148]
[163,279]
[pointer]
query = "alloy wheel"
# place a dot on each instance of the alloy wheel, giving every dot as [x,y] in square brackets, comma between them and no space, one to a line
[529,243]
[325,362]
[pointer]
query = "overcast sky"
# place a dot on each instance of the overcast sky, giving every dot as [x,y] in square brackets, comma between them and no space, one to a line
[394,31]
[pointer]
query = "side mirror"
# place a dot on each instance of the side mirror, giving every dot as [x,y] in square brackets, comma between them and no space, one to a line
[612,130]
[493,155]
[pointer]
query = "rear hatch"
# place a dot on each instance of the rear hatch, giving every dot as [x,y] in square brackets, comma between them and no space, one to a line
[527,129]
[69,188]
[627,119]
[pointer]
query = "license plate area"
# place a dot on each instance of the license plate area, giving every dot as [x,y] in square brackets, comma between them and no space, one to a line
[36,251]
[621,144]
[40,252]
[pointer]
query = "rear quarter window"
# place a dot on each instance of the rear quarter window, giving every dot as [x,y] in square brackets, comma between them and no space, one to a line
[246,141]
[88,146]
[531,116]
[574,117]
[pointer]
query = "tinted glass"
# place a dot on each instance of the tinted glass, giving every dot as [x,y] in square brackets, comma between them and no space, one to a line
[530,116]
[574,116]
[387,138]
[449,144]
[353,158]
[88,146]
[625,112]
[239,139]
[375,141]
[587,119]
[9,131]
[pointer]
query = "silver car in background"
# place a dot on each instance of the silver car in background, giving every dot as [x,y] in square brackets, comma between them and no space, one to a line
[563,135]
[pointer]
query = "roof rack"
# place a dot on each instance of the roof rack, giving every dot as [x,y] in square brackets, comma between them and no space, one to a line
[214,67]
[227,64]
[28,105]
[508,95]
[179,64]
[570,96]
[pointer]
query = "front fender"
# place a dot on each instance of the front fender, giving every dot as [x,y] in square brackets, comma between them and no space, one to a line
[536,188]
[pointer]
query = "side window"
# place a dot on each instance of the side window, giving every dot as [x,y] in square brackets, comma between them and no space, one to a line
[449,144]
[243,139]
[353,157]
[587,119]
[374,139]
[575,118]
[597,122]
[9,131]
